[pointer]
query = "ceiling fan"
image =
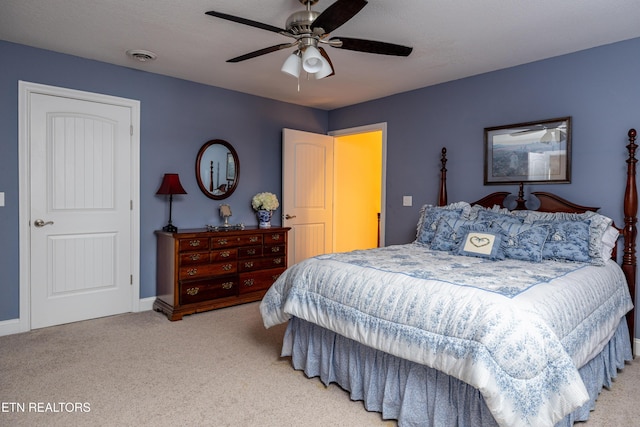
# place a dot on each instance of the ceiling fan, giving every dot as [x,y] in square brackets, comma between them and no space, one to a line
[309,29]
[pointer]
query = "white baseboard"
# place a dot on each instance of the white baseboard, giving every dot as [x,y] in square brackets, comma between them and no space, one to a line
[636,346]
[15,326]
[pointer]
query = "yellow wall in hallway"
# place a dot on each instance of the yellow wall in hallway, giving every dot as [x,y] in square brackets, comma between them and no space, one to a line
[358,189]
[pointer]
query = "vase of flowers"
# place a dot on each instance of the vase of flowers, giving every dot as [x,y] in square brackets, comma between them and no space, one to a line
[264,204]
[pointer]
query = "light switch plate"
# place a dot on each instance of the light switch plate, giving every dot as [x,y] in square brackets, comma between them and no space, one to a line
[407,200]
[2,198]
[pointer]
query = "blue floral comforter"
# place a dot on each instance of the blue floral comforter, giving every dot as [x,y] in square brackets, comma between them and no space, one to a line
[515,330]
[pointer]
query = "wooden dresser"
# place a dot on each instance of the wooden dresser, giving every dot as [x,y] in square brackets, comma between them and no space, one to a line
[200,270]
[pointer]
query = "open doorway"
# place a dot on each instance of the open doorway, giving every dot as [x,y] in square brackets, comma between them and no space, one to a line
[359,188]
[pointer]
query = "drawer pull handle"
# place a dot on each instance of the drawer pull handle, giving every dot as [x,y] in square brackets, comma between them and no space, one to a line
[193,291]
[225,254]
[277,261]
[248,264]
[192,271]
[249,282]
[253,239]
[227,267]
[275,236]
[194,257]
[222,242]
[194,243]
[227,285]
[251,252]
[275,249]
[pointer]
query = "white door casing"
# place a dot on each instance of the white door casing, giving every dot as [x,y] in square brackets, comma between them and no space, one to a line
[79,170]
[307,193]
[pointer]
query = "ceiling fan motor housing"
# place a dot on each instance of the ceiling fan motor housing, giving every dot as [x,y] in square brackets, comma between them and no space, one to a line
[300,22]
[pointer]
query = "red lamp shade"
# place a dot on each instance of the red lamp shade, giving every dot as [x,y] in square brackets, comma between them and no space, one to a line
[171,185]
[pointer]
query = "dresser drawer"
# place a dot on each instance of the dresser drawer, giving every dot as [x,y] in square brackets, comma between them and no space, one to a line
[251,239]
[259,280]
[193,244]
[224,255]
[203,290]
[205,270]
[189,258]
[249,251]
[275,237]
[261,264]
[224,242]
[275,250]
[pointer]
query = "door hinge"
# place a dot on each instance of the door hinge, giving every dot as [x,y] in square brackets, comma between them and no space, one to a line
[130,205]
[131,279]
[131,130]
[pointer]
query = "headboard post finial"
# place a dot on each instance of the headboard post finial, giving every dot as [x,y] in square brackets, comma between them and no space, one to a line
[630,231]
[442,193]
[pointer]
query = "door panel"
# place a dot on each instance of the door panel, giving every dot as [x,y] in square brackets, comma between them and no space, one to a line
[80,174]
[307,193]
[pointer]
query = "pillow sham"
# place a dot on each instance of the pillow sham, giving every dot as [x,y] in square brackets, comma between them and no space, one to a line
[447,236]
[501,219]
[609,240]
[429,216]
[482,244]
[524,241]
[598,224]
[567,240]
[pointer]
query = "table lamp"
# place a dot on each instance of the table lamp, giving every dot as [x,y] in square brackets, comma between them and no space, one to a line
[170,185]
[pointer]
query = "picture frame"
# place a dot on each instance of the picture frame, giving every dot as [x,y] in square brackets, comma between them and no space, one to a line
[231,167]
[531,152]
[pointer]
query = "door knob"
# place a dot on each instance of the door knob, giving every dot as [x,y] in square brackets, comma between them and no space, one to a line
[40,223]
[287,216]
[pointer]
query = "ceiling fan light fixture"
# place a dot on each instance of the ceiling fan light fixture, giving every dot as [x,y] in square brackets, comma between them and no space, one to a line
[292,64]
[325,71]
[312,60]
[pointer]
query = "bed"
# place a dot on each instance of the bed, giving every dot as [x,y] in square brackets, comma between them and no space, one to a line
[492,317]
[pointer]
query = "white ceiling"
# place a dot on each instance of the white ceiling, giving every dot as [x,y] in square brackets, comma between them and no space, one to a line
[451,39]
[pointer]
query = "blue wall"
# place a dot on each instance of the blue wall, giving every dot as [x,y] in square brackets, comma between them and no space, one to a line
[597,87]
[177,117]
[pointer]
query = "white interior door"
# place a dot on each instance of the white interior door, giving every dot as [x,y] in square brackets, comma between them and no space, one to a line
[307,193]
[80,171]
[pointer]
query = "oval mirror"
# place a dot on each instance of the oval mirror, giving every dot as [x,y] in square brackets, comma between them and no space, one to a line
[217,169]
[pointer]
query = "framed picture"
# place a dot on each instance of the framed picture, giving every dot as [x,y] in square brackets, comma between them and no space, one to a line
[231,167]
[534,152]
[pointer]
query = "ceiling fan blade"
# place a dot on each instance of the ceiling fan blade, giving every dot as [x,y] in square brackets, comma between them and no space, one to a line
[261,52]
[371,46]
[337,14]
[325,55]
[245,21]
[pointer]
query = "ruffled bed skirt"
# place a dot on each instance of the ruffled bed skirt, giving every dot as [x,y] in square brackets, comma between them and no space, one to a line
[417,395]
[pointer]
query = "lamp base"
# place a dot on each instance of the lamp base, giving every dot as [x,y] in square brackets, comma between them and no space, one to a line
[170,228]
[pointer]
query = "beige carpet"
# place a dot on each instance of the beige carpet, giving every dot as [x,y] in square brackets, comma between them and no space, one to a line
[219,368]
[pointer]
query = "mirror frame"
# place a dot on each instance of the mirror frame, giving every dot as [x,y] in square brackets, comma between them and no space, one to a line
[236,161]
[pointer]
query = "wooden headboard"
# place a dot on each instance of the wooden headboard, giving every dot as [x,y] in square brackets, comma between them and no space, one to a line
[549,202]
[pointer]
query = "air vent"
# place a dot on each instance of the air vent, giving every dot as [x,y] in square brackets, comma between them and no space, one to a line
[141,55]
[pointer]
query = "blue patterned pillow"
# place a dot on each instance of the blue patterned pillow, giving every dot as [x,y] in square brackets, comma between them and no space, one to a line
[483,244]
[567,240]
[448,236]
[430,219]
[524,241]
[502,219]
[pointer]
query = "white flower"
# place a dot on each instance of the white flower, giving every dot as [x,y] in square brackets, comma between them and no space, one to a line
[266,201]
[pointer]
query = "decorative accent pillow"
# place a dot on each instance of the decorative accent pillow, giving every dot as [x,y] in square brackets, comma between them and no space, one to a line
[483,244]
[524,241]
[429,216]
[448,235]
[598,225]
[502,219]
[567,240]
